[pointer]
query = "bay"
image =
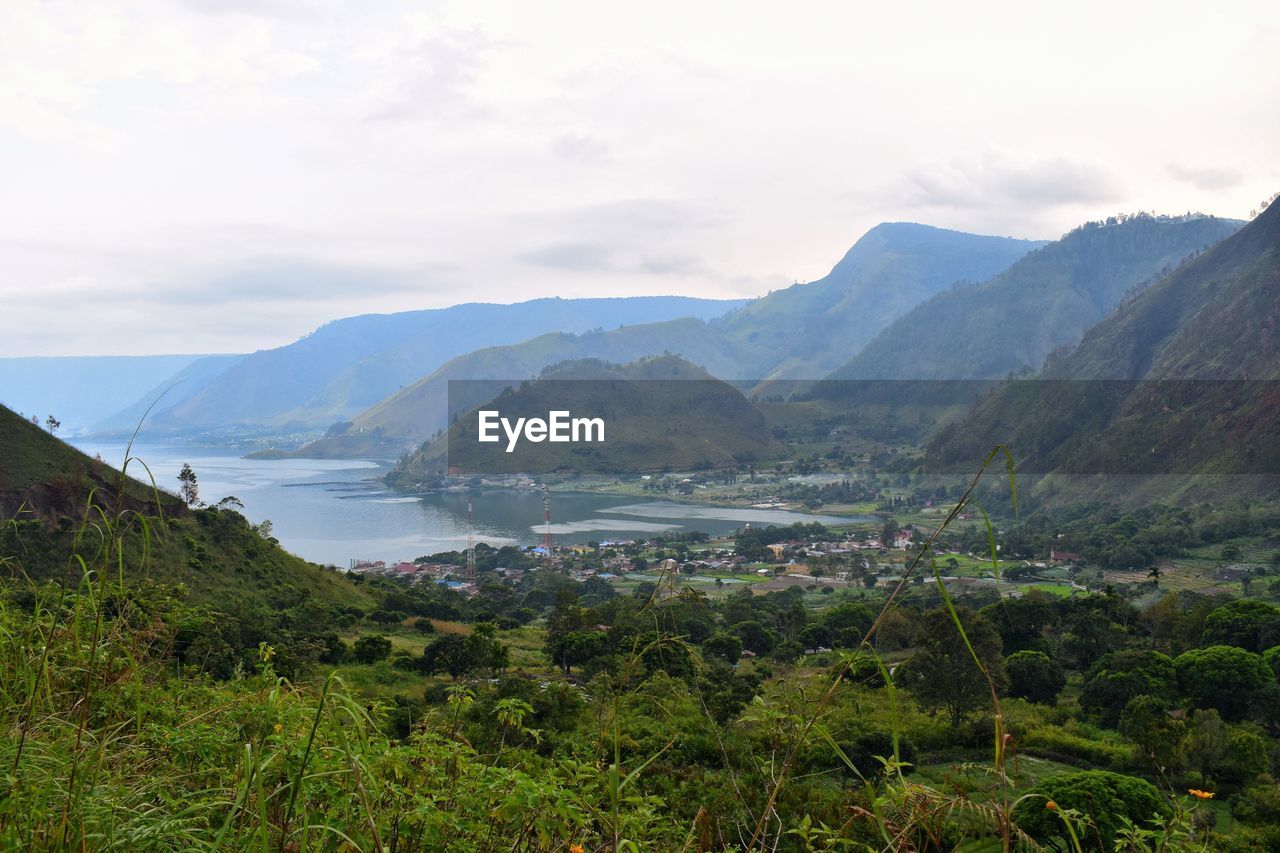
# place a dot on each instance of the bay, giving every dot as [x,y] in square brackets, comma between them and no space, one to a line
[335,511]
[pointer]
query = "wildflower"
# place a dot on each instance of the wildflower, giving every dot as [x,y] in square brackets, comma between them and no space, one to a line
[1200,795]
[277,728]
[1051,806]
[575,848]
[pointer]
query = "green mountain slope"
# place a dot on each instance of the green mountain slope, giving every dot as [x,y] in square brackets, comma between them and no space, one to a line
[807,330]
[659,413]
[1043,302]
[1180,380]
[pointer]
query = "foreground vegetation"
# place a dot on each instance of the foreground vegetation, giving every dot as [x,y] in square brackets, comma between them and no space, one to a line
[551,714]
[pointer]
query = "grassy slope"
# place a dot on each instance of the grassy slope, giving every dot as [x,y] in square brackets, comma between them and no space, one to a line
[215,554]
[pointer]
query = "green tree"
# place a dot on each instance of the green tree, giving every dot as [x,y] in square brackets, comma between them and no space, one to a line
[1102,796]
[1146,722]
[727,647]
[942,673]
[1120,676]
[756,637]
[1208,744]
[577,648]
[448,653]
[1035,676]
[371,648]
[1271,657]
[1223,677]
[1243,622]
[189,487]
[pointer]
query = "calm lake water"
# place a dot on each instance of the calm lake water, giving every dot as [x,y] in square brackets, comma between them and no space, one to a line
[331,511]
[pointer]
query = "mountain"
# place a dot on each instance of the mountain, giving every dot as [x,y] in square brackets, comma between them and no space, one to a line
[807,330]
[420,410]
[659,413]
[349,365]
[1180,380]
[1043,302]
[885,273]
[174,389]
[81,390]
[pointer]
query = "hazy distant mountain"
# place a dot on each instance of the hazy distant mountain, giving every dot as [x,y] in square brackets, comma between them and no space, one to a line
[81,390]
[348,365]
[807,330]
[659,413]
[1180,380]
[1044,301]
[182,385]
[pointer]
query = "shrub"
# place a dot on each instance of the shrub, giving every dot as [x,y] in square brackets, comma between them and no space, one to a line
[371,648]
[1101,796]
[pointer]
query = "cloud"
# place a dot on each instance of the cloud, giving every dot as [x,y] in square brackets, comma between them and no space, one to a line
[1001,180]
[595,257]
[438,75]
[570,256]
[581,148]
[1206,177]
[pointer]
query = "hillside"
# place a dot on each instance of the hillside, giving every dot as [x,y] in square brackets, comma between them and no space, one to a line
[659,413]
[48,478]
[1043,302]
[349,365]
[1181,380]
[807,330]
[45,487]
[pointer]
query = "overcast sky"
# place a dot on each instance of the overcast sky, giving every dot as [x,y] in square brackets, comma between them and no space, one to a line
[225,175]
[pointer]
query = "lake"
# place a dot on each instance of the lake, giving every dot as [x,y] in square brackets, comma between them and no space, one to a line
[333,511]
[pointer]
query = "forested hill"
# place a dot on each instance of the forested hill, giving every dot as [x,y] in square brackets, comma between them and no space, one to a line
[1043,302]
[1180,380]
[806,330]
[660,414]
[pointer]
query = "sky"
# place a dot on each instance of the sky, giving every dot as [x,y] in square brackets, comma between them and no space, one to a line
[225,175]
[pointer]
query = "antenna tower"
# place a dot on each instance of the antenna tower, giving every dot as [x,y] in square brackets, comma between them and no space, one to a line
[546,518]
[471,544]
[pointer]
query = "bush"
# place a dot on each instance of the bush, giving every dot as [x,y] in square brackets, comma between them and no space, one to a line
[1100,795]
[371,648]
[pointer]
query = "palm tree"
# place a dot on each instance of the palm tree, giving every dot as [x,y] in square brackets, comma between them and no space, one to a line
[1155,574]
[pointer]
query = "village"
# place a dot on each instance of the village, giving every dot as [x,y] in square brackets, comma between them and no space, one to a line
[849,559]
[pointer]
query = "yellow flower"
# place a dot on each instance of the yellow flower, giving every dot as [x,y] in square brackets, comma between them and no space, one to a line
[1200,795]
[1051,806]
[277,728]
